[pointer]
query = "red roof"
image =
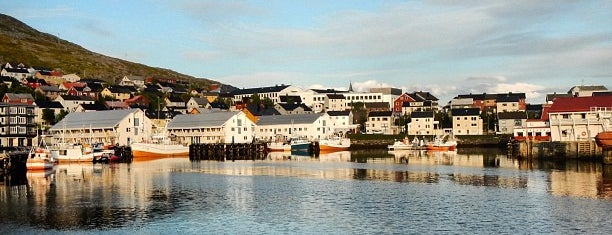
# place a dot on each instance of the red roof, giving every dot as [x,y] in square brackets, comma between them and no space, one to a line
[579,104]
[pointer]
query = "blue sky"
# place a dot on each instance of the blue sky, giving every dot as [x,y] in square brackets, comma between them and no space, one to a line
[442,46]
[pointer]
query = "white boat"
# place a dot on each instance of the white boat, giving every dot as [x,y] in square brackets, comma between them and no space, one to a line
[335,143]
[406,144]
[444,143]
[72,152]
[279,147]
[39,158]
[159,146]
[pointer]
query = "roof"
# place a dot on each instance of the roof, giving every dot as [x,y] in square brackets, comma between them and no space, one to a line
[507,98]
[465,112]
[551,97]
[259,90]
[289,119]
[580,104]
[218,105]
[258,110]
[512,115]
[326,91]
[189,121]
[485,96]
[335,96]
[13,96]
[122,89]
[200,101]
[94,107]
[534,107]
[43,104]
[293,98]
[380,114]
[588,88]
[291,107]
[98,119]
[49,88]
[73,97]
[16,70]
[422,114]
[339,113]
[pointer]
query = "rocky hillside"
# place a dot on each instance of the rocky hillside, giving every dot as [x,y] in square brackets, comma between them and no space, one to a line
[20,43]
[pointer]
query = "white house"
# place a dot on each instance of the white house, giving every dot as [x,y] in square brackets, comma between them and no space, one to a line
[341,121]
[380,122]
[71,77]
[422,123]
[312,126]
[71,103]
[273,93]
[212,127]
[335,102]
[131,80]
[581,91]
[120,127]
[197,103]
[534,129]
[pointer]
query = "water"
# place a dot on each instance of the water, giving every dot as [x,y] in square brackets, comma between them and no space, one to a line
[371,192]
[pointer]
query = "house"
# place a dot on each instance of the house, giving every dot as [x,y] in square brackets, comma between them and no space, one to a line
[49,91]
[508,121]
[82,89]
[71,102]
[579,118]
[196,102]
[71,77]
[41,105]
[17,73]
[17,126]
[551,97]
[34,82]
[51,77]
[581,91]
[461,103]
[467,121]
[210,96]
[312,126]
[213,127]
[176,104]
[342,121]
[295,108]
[376,106]
[113,105]
[422,123]
[335,102]
[132,80]
[534,129]
[138,101]
[119,127]
[508,103]
[120,93]
[258,110]
[488,102]
[389,94]
[398,103]
[380,122]
[91,107]
[18,98]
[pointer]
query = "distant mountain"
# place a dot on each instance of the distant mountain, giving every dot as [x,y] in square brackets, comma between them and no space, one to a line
[20,43]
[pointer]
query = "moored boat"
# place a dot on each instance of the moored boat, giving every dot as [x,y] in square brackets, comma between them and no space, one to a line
[439,144]
[604,139]
[300,145]
[334,144]
[72,153]
[406,144]
[159,146]
[279,147]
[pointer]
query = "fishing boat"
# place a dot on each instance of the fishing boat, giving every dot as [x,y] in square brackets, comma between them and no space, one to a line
[72,152]
[39,158]
[279,145]
[440,144]
[300,145]
[406,144]
[159,146]
[335,143]
[604,139]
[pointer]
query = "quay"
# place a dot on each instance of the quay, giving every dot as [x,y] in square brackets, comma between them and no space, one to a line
[227,152]
[556,150]
[13,161]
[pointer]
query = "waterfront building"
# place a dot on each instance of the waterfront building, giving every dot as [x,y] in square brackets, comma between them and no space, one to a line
[488,102]
[535,129]
[312,126]
[17,126]
[212,127]
[273,92]
[120,127]
[467,121]
[508,103]
[380,122]
[422,123]
[419,101]
[341,121]
[508,121]
[579,118]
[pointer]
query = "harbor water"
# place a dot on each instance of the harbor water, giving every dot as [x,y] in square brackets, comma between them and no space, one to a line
[362,192]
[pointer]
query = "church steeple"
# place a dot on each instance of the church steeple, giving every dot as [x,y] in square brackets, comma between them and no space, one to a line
[350,87]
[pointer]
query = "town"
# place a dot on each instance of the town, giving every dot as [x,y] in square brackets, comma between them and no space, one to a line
[37,101]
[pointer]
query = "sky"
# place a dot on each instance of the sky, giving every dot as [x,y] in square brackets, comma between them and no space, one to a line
[445,47]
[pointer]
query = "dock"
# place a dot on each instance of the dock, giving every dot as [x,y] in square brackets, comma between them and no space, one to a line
[228,152]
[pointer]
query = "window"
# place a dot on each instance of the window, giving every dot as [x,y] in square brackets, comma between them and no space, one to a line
[565,116]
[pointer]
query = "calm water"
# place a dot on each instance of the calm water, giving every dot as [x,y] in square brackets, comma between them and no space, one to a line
[375,192]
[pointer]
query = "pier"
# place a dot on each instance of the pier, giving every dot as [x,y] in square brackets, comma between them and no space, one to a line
[555,150]
[13,161]
[227,152]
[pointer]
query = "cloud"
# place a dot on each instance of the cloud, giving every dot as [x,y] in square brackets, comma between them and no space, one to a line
[261,79]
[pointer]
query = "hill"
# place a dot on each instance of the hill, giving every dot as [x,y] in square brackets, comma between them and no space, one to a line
[20,43]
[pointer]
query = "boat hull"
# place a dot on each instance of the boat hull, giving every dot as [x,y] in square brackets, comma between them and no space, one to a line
[142,151]
[604,139]
[279,147]
[38,164]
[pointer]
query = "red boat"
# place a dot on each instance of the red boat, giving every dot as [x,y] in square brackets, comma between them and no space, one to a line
[604,139]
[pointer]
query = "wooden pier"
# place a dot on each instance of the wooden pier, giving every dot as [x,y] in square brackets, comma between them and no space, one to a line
[13,161]
[555,150]
[227,152]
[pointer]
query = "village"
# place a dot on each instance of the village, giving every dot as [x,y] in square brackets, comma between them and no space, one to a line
[69,109]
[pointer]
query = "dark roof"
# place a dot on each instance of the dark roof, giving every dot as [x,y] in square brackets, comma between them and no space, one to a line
[380,114]
[48,104]
[602,93]
[219,105]
[507,98]
[485,96]
[534,107]
[261,110]
[291,107]
[175,99]
[326,91]
[259,90]
[92,81]
[339,113]
[465,112]
[293,98]
[121,89]
[95,106]
[551,97]
[512,115]
[16,70]
[336,96]
[422,114]
[73,97]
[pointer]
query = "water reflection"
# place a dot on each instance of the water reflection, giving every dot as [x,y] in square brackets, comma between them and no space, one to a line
[84,196]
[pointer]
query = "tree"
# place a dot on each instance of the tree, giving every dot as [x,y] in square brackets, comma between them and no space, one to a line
[255,99]
[48,116]
[268,102]
[60,115]
[360,114]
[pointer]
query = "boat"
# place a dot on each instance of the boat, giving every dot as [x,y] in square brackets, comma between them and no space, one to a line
[406,144]
[72,152]
[439,144]
[39,158]
[279,146]
[300,145]
[159,146]
[604,139]
[335,143]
